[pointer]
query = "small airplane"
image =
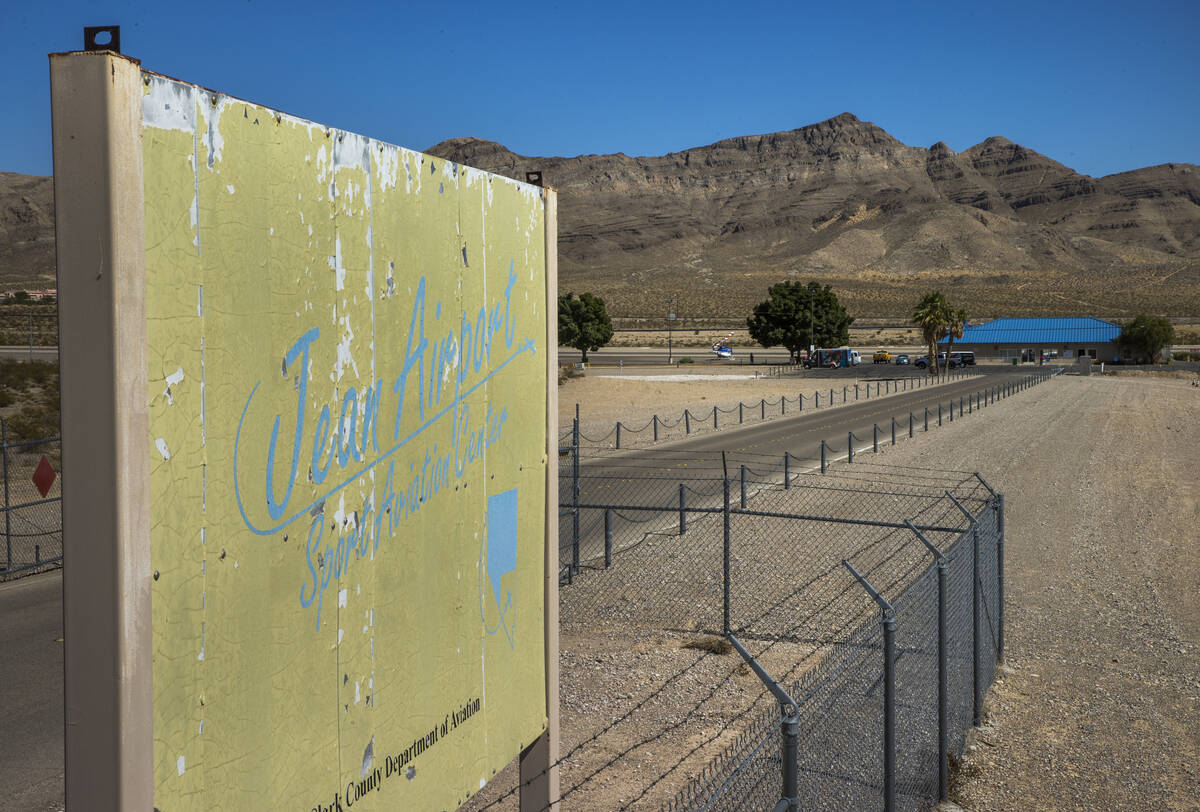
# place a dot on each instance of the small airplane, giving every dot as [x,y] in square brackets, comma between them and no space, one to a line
[722,348]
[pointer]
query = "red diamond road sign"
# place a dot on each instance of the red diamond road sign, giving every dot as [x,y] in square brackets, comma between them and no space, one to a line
[44,476]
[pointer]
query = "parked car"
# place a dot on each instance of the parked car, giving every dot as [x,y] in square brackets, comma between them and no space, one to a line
[882,357]
[902,360]
[967,358]
[923,361]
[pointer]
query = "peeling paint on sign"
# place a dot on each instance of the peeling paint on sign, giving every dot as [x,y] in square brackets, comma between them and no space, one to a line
[368,412]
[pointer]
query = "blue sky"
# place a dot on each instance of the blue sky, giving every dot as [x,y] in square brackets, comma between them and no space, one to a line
[1100,86]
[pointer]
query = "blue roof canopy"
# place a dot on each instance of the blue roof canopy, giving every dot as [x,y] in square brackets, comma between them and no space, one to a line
[1040,332]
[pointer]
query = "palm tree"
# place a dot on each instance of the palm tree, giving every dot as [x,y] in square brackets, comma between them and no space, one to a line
[933,315]
[958,322]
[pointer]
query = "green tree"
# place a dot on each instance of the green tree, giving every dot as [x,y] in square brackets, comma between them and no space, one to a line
[934,315]
[797,316]
[583,323]
[1145,336]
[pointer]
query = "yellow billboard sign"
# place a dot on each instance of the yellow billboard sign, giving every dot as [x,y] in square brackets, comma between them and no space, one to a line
[348,432]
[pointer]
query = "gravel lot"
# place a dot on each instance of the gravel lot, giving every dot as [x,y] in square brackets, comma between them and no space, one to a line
[1099,704]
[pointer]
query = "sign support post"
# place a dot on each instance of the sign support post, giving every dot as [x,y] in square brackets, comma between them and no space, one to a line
[100,228]
[539,761]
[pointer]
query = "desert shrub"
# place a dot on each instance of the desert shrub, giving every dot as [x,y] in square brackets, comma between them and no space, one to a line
[568,371]
[714,645]
[20,375]
[687,359]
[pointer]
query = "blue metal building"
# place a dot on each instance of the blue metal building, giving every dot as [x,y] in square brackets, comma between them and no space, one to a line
[1033,339]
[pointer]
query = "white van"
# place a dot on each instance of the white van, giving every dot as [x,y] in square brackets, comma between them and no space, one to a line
[855,358]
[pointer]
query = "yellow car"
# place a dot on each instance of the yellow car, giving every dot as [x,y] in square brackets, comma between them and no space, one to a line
[882,357]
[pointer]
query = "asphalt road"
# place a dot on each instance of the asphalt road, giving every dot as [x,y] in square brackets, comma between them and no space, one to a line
[31,679]
[27,353]
[651,478]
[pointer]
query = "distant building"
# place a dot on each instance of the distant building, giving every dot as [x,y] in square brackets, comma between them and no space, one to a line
[1030,339]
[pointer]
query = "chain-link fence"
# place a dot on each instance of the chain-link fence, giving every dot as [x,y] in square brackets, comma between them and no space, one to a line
[668,557]
[657,712]
[880,706]
[20,328]
[32,526]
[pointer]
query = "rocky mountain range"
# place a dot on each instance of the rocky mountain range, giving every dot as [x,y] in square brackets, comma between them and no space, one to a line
[26,231]
[999,227]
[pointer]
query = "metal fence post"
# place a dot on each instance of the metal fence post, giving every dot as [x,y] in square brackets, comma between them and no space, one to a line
[943,669]
[845,389]
[850,446]
[893,429]
[831,396]
[762,414]
[1000,576]
[976,643]
[943,682]
[874,438]
[800,401]
[687,421]
[8,562]
[574,499]
[926,418]
[976,615]
[743,501]
[910,425]
[817,396]
[607,538]
[741,417]
[939,413]
[856,391]
[656,428]
[618,434]
[822,456]
[889,712]
[783,404]
[789,724]
[787,474]
[888,621]
[725,577]
[682,509]
[714,417]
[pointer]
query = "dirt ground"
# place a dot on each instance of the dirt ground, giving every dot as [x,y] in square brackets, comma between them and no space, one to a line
[1098,705]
